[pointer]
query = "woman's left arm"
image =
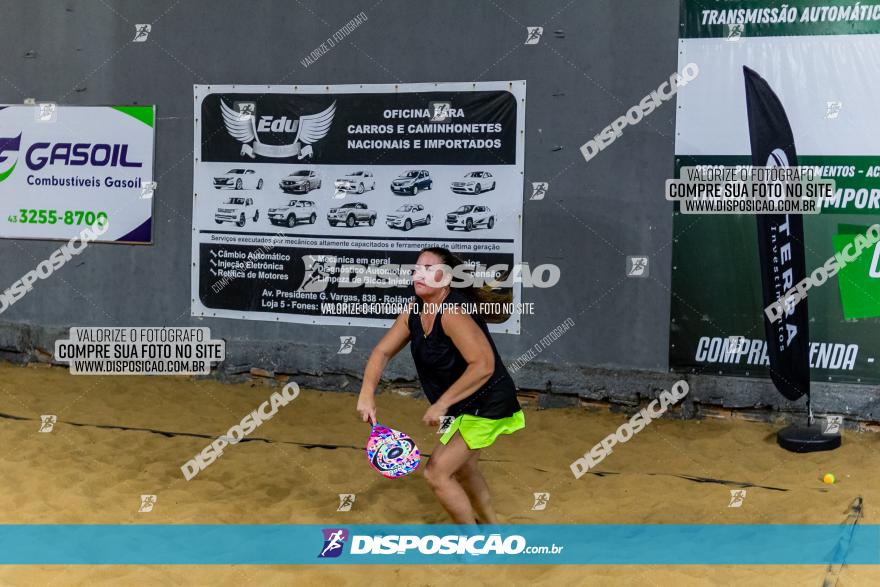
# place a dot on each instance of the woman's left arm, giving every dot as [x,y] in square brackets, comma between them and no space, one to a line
[473,345]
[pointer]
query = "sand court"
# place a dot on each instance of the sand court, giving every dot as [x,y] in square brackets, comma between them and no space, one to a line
[118,438]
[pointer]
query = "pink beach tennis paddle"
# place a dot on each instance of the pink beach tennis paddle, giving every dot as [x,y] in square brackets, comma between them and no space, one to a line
[391,452]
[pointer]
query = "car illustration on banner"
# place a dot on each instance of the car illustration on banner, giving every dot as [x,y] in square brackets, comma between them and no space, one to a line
[236,209]
[351,215]
[408,216]
[475,182]
[302,181]
[356,181]
[294,212]
[470,217]
[411,182]
[238,179]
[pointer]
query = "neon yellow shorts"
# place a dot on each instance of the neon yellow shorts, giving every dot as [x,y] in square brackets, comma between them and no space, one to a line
[480,432]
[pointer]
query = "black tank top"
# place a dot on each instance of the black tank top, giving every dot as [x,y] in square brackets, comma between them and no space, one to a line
[439,364]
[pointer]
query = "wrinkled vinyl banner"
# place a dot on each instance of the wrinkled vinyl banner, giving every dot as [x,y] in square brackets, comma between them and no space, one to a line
[823,63]
[302,192]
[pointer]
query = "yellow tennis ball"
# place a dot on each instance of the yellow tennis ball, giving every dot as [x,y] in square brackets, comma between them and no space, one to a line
[829,478]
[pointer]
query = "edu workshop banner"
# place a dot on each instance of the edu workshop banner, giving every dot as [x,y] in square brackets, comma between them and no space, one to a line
[825,71]
[301,191]
[63,168]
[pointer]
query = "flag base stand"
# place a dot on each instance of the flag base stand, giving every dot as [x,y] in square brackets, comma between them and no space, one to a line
[808,438]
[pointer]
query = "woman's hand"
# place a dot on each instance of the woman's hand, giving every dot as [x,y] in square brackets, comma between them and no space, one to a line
[394,340]
[434,414]
[367,408]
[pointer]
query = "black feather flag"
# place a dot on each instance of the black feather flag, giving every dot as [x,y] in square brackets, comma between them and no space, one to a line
[780,243]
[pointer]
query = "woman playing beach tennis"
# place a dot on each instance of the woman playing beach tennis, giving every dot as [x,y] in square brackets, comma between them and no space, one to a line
[462,375]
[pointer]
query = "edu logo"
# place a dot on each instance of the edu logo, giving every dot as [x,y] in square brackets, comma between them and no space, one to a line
[9,144]
[244,126]
[334,541]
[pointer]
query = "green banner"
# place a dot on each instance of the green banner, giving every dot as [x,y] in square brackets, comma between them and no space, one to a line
[767,18]
[859,281]
[829,88]
[716,295]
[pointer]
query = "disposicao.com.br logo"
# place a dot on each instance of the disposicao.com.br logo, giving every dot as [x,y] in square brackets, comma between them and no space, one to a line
[431,544]
[334,542]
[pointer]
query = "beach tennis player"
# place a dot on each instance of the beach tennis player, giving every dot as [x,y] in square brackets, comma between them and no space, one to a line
[463,377]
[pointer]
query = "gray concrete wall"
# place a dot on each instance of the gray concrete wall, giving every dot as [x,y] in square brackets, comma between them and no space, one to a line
[606,57]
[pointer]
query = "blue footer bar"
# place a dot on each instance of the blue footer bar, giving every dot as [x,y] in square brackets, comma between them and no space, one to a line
[265,544]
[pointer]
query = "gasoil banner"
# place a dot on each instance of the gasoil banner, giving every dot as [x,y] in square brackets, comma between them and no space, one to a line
[311,203]
[64,168]
[822,61]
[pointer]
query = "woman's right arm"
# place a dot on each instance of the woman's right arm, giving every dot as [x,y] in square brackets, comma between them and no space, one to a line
[394,340]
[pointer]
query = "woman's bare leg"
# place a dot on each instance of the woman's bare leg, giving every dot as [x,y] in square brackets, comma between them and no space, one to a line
[440,475]
[473,483]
